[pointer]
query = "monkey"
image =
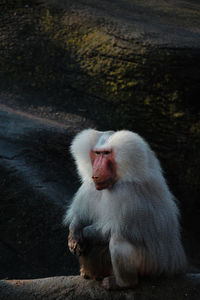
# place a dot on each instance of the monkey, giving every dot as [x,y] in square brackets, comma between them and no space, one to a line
[123,220]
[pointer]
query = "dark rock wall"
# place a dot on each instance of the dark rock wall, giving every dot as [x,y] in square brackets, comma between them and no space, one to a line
[74,62]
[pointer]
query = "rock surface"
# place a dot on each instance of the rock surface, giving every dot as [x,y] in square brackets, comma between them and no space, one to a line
[106,64]
[159,23]
[74,287]
[122,64]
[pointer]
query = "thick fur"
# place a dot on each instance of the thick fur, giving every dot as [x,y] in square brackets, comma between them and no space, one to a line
[138,215]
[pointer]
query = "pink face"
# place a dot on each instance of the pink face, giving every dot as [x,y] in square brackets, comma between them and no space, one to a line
[104,172]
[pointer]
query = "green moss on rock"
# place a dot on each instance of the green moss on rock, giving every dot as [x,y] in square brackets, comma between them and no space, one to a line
[84,68]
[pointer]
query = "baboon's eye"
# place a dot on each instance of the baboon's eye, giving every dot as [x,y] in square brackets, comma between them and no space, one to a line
[107,152]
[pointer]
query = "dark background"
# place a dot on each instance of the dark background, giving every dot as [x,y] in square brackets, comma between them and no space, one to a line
[75,64]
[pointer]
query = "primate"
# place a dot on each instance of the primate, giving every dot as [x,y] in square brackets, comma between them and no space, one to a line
[123,220]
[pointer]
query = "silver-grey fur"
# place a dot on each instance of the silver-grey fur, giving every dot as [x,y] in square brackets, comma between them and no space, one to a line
[138,216]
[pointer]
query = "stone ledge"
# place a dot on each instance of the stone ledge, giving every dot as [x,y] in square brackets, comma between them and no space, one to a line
[74,287]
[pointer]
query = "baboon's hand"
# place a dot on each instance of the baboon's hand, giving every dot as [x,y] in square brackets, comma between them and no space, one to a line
[75,243]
